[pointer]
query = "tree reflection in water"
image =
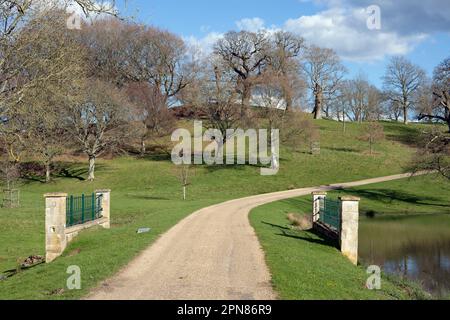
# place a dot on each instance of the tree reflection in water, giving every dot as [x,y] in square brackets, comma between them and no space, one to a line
[415,247]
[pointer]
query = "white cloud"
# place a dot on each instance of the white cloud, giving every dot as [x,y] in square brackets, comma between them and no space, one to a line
[342,27]
[251,24]
[346,32]
[203,45]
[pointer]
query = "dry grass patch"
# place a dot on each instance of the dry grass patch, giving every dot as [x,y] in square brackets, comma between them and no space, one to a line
[299,221]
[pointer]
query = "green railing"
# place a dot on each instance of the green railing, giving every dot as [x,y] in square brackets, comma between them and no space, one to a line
[83,209]
[330,213]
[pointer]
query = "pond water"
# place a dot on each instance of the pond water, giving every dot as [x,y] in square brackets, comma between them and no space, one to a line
[416,247]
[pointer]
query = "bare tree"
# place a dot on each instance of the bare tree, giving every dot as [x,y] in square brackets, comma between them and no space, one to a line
[433,153]
[97,120]
[294,126]
[372,132]
[246,54]
[355,95]
[284,61]
[9,173]
[222,110]
[361,99]
[324,72]
[36,60]
[160,59]
[374,110]
[183,173]
[270,96]
[150,111]
[401,81]
[214,95]
[341,105]
[299,130]
[15,13]
[98,6]
[50,63]
[270,91]
[123,52]
[392,109]
[437,107]
[109,43]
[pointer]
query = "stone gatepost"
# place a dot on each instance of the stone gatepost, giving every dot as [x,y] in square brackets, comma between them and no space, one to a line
[55,223]
[349,227]
[317,195]
[106,214]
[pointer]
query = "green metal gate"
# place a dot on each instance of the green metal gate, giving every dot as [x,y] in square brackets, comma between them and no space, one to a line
[330,213]
[83,209]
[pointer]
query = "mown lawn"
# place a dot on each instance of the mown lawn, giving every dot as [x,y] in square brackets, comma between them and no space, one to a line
[146,193]
[305,265]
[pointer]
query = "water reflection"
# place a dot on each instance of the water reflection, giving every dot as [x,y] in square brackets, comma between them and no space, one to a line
[414,247]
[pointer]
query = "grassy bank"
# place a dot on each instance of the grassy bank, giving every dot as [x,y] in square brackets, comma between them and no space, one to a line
[146,193]
[305,265]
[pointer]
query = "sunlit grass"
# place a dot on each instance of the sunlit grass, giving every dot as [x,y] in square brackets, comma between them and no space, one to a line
[147,193]
[307,266]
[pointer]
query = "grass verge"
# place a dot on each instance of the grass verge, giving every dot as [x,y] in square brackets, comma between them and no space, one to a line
[305,265]
[146,193]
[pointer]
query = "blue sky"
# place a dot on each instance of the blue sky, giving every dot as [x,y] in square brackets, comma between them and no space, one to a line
[418,29]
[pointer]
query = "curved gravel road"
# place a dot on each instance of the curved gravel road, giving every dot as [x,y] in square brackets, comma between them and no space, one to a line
[212,254]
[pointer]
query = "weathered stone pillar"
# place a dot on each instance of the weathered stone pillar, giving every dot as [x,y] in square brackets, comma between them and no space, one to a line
[106,213]
[349,227]
[317,195]
[55,224]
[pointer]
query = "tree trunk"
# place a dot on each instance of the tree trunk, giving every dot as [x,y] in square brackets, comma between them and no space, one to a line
[143,147]
[405,109]
[47,172]
[246,96]
[326,110]
[91,175]
[318,102]
[447,109]
[405,115]
[343,121]
[288,98]
[184,192]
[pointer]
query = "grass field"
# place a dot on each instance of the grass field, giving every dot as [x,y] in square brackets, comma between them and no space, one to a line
[146,193]
[306,266]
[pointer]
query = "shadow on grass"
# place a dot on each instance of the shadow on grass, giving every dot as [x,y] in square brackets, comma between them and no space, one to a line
[307,236]
[388,195]
[311,235]
[343,149]
[65,170]
[406,134]
[223,167]
[73,173]
[78,171]
[157,157]
[144,197]
[12,272]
